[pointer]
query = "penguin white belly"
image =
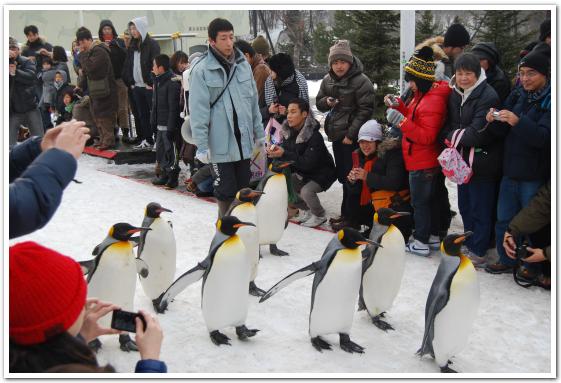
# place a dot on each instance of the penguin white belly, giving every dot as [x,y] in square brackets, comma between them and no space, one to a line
[382,280]
[272,210]
[114,279]
[336,295]
[225,297]
[159,253]
[249,235]
[453,324]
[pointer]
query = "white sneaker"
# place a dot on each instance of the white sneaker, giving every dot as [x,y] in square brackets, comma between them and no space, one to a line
[418,248]
[143,145]
[314,221]
[303,216]
[434,242]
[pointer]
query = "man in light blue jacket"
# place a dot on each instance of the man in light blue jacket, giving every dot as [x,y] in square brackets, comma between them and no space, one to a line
[225,117]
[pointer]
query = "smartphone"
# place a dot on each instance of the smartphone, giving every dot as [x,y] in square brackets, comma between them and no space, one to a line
[125,320]
[356,161]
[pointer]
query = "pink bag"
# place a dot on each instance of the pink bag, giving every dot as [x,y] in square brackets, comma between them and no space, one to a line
[273,132]
[453,165]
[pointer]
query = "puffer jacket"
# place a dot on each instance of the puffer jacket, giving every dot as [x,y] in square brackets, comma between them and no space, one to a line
[96,65]
[467,110]
[307,149]
[149,49]
[355,93]
[424,117]
[528,143]
[22,86]
[165,102]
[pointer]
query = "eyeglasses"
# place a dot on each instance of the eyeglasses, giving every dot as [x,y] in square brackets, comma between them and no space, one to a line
[529,74]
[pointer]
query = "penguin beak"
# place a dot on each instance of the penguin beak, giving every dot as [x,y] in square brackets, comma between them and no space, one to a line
[400,214]
[137,229]
[162,209]
[255,193]
[285,164]
[241,224]
[368,242]
[463,237]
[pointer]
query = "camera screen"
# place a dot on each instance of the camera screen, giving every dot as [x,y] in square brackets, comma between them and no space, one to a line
[124,320]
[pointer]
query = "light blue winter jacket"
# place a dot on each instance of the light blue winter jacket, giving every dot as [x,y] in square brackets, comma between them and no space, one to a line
[213,130]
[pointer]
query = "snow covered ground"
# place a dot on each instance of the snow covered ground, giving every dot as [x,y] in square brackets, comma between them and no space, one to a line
[512,333]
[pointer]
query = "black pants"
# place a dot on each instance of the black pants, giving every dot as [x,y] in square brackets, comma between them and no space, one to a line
[441,216]
[344,163]
[229,178]
[167,154]
[142,98]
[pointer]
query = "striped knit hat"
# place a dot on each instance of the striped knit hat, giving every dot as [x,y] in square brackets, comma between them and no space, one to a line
[421,64]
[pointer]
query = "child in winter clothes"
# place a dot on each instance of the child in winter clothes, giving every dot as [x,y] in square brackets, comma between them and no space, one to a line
[48,99]
[378,179]
[66,106]
[165,118]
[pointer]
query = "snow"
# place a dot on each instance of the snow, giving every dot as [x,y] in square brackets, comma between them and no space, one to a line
[511,334]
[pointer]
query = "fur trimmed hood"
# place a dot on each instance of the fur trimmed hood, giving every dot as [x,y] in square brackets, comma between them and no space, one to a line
[436,44]
[386,145]
[310,126]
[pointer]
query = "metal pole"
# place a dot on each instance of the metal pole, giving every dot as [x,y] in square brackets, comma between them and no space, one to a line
[406,42]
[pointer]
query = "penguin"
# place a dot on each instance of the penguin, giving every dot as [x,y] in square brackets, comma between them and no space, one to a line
[226,273]
[451,305]
[272,207]
[382,268]
[334,291]
[112,275]
[243,207]
[157,249]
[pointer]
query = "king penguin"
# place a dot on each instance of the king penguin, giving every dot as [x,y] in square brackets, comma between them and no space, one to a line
[243,207]
[157,249]
[225,273]
[334,291]
[451,305]
[272,207]
[112,275]
[382,268]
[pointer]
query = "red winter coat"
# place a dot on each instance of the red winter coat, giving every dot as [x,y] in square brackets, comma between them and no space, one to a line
[419,143]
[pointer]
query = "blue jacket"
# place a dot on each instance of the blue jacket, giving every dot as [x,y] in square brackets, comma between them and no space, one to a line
[528,144]
[213,130]
[151,366]
[37,181]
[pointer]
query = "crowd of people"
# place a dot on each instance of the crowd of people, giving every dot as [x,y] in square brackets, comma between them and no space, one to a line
[235,99]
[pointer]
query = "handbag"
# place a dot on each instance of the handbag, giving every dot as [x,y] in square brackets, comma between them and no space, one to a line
[453,165]
[99,88]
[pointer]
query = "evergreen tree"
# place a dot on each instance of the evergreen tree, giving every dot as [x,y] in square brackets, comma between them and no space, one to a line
[426,26]
[322,40]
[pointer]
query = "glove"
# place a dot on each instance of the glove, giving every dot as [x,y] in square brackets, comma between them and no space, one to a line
[203,156]
[394,117]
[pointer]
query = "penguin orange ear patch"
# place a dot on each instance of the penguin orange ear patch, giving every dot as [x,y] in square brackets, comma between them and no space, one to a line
[340,235]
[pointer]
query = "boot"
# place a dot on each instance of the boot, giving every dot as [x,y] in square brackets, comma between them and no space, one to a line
[172,179]
[160,180]
[223,207]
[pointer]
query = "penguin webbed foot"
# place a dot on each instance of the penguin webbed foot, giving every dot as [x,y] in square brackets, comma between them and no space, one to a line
[243,332]
[382,325]
[218,338]
[95,345]
[348,345]
[126,343]
[320,344]
[255,291]
[273,249]
[447,370]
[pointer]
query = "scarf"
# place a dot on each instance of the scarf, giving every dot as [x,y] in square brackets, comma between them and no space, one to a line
[366,194]
[533,96]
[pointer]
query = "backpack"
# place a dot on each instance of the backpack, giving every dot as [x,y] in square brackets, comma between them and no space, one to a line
[453,165]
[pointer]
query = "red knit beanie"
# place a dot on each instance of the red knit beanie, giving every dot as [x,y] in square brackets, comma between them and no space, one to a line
[47,293]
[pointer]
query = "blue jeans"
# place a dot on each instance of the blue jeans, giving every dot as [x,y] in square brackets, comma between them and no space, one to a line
[142,99]
[476,201]
[422,185]
[513,196]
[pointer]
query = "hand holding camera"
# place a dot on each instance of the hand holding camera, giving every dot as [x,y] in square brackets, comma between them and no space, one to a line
[391,101]
[96,309]
[149,336]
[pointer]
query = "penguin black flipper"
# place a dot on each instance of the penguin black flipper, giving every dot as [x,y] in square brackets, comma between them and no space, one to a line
[437,299]
[97,252]
[87,266]
[146,222]
[180,284]
[298,274]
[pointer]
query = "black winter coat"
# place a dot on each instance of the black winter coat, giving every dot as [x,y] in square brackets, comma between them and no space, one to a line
[117,53]
[37,181]
[149,49]
[355,93]
[471,117]
[32,49]
[23,97]
[498,81]
[165,102]
[528,143]
[307,149]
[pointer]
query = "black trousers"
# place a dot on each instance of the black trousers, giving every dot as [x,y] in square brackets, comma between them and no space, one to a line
[344,163]
[229,178]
